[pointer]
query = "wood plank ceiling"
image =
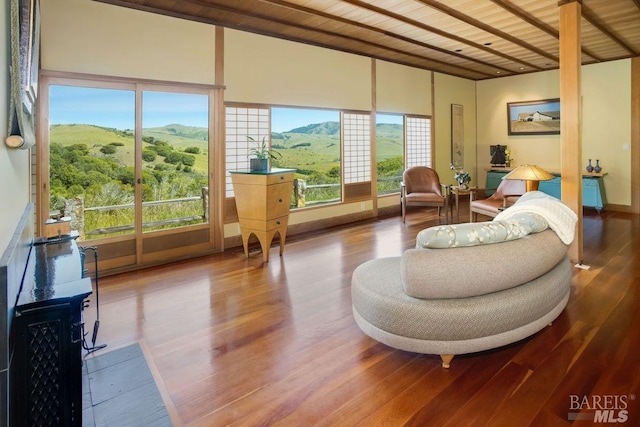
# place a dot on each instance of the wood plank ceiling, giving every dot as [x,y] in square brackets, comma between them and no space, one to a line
[474,39]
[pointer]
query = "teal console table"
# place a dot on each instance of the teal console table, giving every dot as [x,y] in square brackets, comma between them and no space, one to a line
[593,194]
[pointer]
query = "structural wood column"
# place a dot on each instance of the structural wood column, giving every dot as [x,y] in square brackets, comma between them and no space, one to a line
[372,136]
[571,111]
[217,146]
[635,135]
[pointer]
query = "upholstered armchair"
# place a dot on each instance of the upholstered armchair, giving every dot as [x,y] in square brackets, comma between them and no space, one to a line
[421,187]
[505,195]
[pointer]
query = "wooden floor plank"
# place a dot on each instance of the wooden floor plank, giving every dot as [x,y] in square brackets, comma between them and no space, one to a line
[236,341]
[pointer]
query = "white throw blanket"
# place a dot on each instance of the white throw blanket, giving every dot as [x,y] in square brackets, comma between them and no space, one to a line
[560,217]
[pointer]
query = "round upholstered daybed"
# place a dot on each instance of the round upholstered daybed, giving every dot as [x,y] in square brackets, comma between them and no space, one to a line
[463,299]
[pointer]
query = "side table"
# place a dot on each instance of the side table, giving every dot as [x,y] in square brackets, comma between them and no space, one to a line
[455,193]
[262,201]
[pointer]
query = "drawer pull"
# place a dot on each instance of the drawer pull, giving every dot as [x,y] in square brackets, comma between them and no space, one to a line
[281,177]
[280,200]
[278,222]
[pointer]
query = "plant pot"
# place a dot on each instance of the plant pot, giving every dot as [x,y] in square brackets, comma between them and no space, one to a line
[258,165]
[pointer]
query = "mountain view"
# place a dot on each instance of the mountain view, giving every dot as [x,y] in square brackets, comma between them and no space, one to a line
[97,163]
[318,144]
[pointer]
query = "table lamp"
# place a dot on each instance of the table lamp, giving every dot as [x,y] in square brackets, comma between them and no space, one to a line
[530,174]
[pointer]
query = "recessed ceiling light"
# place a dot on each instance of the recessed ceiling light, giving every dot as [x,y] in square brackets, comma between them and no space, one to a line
[498,72]
[521,68]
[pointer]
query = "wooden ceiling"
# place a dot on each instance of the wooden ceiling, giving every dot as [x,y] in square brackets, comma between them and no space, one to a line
[474,39]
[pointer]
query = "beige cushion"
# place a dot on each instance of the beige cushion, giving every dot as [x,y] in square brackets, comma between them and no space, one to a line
[468,271]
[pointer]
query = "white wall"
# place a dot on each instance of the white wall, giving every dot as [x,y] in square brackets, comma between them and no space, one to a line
[454,90]
[402,89]
[606,124]
[268,70]
[606,106]
[492,98]
[84,36]
[14,164]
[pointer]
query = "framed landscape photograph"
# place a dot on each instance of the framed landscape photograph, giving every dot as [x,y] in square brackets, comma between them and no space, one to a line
[534,117]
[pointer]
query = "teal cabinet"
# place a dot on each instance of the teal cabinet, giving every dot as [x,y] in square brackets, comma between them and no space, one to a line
[551,187]
[593,194]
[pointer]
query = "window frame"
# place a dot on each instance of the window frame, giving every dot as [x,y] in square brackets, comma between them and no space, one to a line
[147,250]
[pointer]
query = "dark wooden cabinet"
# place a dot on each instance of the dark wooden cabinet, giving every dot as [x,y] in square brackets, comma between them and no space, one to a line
[46,370]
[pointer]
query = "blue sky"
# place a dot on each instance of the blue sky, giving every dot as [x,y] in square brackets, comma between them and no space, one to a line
[115,108]
[285,119]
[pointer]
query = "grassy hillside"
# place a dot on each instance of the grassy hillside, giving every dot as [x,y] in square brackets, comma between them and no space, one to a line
[95,137]
[315,147]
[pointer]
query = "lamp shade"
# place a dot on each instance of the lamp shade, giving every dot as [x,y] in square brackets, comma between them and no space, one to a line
[531,174]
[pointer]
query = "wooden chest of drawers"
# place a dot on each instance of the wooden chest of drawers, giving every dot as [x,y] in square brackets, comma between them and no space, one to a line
[262,201]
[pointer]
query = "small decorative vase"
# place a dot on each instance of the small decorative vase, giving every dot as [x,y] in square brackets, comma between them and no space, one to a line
[462,186]
[589,167]
[597,169]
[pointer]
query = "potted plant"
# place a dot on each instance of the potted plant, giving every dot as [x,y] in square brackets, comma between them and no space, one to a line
[461,176]
[262,155]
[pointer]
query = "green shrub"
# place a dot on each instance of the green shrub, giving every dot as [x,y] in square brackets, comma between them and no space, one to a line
[149,155]
[108,149]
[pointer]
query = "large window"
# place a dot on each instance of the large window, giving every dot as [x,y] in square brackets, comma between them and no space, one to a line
[309,141]
[402,141]
[94,156]
[389,152]
[329,149]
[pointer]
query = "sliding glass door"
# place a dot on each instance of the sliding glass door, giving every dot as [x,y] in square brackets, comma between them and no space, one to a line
[92,159]
[175,159]
[128,165]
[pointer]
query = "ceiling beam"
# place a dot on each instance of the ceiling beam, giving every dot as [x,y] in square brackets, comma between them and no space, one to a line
[590,17]
[315,12]
[435,30]
[484,27]
[531,20]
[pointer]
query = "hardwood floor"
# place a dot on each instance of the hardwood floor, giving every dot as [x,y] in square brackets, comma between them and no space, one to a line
[235,341]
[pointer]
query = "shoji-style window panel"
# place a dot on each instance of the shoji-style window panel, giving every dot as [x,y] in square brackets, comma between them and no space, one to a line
[357,147]
[418,141]
[241,123]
